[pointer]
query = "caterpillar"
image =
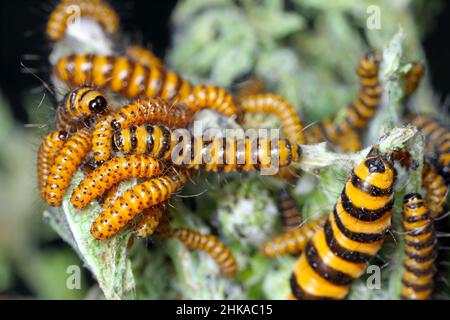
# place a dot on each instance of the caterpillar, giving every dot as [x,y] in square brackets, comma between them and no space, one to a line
[133,201]
[353,232]
[437,141]
[121,75]
[144,56]
[79,105]
[420,249]
[363,108]
[250,87]
[131,79]
[326,131]
[287,208]
[436,189]
[111,173]
[210,244]
[283,109]
[291,242]
[67,10]
[227,154]
[413,78]
[48,150]
[147,110]
[149,221]
[66,163]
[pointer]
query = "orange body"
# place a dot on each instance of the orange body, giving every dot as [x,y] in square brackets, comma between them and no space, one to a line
[339,252]
[66,163]
[288,210]
[144,56]
[50,147]
[111,173]
[210,244]
[135,200]
[274,104]
[413,78]
[436,189]
[149,221]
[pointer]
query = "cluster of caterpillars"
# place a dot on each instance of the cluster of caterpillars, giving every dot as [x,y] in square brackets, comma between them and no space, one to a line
[112,144]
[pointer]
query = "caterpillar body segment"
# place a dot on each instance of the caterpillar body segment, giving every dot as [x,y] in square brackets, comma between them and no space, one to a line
[274,104]
[339,252]
[68,11]
[66,163]
[133,201]
[420,249]
[209,244]
[50,146]
[291,242]
[111,173]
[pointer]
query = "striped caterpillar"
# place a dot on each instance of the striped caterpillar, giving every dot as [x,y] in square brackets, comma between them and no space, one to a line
[133,80]
[210,244]
[50,147]
[413,78]
[67,11]
[352,234]
[420,249]
[227,154]
[293,241]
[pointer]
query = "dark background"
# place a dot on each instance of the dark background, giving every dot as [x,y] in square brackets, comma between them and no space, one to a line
[23,32]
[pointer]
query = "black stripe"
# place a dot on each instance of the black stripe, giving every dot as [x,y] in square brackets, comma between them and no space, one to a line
[422,245]
[356,236]
[289,148]
[348,255]
[367,188]
[418,287]
[322,269]
[422,258]
[418,272]
[364,214]
[298,292]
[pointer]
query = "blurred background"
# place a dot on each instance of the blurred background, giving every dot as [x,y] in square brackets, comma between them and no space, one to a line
[33,260]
